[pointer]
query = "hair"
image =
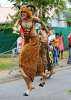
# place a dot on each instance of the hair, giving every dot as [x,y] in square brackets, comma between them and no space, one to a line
[60,34]
[57,34]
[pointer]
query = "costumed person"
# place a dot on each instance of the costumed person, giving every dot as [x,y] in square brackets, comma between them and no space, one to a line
[69,43]
[45,52]
[44,45]
[61,46]
[30,61]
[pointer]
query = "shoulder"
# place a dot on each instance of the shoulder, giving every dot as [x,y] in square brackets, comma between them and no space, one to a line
[36,19]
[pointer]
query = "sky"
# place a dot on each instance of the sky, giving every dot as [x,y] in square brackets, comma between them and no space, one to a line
[5,3]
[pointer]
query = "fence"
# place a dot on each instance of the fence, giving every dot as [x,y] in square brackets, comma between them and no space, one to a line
[7,40]
[65,31]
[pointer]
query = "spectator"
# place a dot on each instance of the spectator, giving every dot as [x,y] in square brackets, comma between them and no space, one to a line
[69,42]
[61,46]
[20,43]
[56,49]
[51,52]
[14,52]
[51,36]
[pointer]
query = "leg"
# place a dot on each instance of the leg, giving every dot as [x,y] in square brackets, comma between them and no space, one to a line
[29,86]
[59,54]
[43,80]
[56,60]
[56,55]
[41,71]
[69,57]
[62,54]
[28,83]
[43,54]
[51,71]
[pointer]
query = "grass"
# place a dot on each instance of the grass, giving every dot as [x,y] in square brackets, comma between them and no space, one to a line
[8,62]
[65,54]
[69,91]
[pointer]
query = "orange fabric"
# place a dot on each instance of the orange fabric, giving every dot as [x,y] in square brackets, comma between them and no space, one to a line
[29,59]
[56,42]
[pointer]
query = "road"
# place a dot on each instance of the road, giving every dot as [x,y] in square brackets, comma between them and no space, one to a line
[56,88]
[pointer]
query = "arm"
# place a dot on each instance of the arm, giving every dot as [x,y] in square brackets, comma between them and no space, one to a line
[37,20]
[15,28]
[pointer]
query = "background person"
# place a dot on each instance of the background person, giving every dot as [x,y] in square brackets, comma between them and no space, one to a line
[69,42]
[56,49]
[61,46]
[20,43]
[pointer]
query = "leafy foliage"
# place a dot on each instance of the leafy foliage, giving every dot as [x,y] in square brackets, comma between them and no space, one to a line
[45,6]
[67,14]
[5,26]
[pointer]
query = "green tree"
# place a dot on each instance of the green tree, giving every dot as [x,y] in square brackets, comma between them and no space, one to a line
[67,14]
[45,7]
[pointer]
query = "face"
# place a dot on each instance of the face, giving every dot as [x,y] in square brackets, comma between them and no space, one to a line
[24,15]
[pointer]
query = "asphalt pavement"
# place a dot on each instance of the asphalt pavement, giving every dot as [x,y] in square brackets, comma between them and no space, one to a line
[56,88]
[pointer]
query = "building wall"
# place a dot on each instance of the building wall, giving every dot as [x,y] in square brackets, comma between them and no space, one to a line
[5,12]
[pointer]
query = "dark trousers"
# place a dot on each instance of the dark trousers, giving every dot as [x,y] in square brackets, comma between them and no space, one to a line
[55,55]
[69,57]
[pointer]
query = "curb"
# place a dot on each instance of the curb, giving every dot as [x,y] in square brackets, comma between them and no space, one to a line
[63,68]
[18,76]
